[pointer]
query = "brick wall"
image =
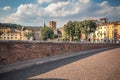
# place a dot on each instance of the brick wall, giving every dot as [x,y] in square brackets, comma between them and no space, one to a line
[13,51]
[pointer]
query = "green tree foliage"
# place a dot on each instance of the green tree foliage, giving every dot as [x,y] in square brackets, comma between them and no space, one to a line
[47,33]
[9,25]
[69,30]
[88,26]
[29,35]
[77,30]
[74,30]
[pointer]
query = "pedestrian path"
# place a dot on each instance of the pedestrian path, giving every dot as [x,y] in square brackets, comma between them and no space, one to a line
[103,65]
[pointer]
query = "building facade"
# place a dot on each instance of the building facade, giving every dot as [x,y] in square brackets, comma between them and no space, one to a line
[36,33]
[10,34]
[14,34]
[101,33]
[52,24]
[108,32]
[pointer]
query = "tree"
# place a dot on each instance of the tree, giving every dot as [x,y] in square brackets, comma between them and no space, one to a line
[69,30]
[74,30]
[47,33]
[77,30]
[29,35]
[88,26]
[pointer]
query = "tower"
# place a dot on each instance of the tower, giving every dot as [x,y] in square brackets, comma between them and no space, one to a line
[52,24]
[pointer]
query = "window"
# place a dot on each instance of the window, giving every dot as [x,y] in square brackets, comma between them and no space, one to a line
[115,30]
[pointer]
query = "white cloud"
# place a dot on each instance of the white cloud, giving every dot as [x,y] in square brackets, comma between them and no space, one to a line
[50,1]
[62,11]
[26,14]
[55,1]
[104,3]
[44,1]
[6,8]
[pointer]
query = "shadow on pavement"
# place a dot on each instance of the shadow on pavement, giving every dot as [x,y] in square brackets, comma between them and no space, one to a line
[48,79]
[32,71]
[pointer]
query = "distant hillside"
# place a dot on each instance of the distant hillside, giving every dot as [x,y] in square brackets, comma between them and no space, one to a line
[17,26]
[10,25]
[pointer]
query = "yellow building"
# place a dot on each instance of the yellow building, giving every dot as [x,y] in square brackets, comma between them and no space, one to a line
[113,31]
[13,34]
[10,34]
[108,32]
[118,30]
[83,37]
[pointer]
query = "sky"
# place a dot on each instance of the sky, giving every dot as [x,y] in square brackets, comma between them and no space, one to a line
[36,12]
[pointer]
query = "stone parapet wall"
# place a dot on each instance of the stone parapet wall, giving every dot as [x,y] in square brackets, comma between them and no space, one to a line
[14,51]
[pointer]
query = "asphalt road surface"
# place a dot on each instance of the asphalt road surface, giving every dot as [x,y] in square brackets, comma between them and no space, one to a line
[97,65]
